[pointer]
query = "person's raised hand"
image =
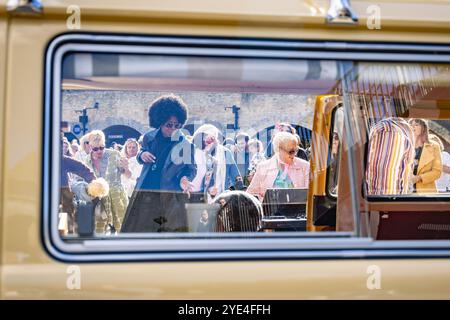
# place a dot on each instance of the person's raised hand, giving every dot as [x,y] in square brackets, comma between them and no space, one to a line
[148,157]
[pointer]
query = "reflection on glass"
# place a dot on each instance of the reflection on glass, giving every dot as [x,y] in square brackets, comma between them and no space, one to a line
[335,154]
[204,127]
[408,135]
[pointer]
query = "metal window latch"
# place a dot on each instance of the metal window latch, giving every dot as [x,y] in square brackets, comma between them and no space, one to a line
[341,12]
[24,7]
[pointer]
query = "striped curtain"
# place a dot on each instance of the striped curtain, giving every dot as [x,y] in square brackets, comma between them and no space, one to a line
[390,158]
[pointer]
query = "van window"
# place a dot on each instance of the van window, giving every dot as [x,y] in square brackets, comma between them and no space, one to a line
[186,143]
[192,142]
[408,128]
[212,144]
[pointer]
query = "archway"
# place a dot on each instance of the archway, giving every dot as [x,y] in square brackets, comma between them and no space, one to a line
[120,134]
[70,136]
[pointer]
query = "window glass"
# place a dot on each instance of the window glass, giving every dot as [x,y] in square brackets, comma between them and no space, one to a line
[186,144]
[211,145]
[406,115]
[399,123]
[335,150]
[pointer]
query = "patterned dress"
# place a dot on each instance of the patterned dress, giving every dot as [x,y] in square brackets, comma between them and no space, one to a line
[112,207]
[390,158]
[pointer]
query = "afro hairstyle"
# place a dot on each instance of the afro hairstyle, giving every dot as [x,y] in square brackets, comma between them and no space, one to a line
[165,107]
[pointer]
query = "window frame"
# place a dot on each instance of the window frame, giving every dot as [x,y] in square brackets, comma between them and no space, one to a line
[328,193]
[321,245]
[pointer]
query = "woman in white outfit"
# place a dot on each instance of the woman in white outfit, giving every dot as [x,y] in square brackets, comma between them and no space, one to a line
[129,151]
[216,169]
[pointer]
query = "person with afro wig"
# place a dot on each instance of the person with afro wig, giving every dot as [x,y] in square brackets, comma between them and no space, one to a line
[164,186]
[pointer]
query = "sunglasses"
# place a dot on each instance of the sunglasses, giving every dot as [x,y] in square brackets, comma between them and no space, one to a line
[172,125]
[95,149]
[291,152]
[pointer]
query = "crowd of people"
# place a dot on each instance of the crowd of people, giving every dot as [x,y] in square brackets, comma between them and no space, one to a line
[144,185]
[152,179]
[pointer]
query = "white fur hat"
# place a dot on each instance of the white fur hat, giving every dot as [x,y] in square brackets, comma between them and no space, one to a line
[208,129]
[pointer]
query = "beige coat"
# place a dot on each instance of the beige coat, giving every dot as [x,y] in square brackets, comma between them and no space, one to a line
[429,169]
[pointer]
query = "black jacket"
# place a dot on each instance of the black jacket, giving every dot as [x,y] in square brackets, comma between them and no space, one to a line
[181,150]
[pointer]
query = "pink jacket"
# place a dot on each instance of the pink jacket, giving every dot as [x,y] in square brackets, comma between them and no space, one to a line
[267,171]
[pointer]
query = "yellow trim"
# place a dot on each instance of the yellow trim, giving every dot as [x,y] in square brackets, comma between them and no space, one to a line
[325,104]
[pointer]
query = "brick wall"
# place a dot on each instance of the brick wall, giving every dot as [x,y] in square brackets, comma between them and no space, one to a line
[258,111]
